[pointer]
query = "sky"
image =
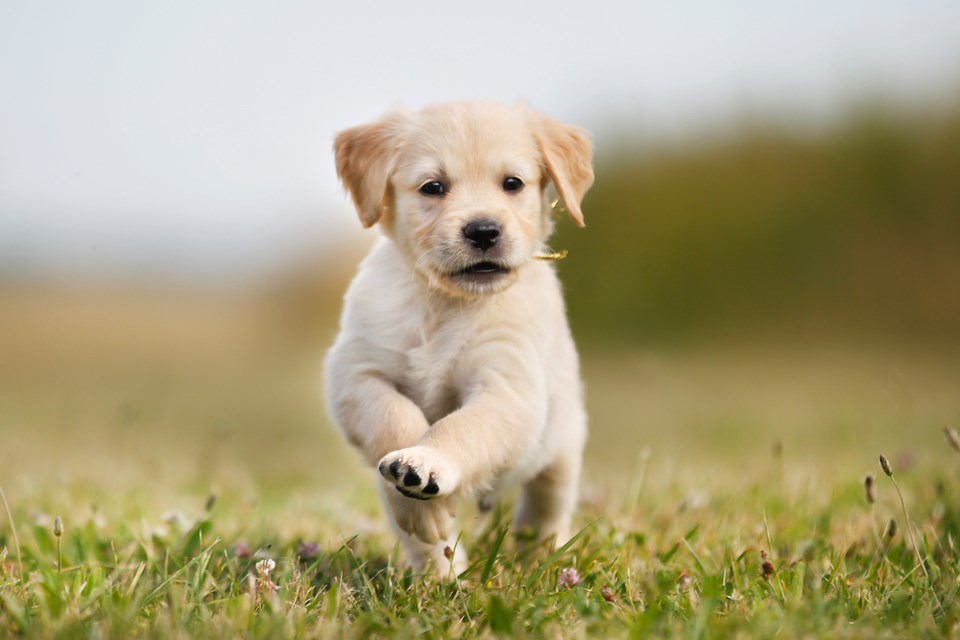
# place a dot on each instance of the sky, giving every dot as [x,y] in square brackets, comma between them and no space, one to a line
[191,139]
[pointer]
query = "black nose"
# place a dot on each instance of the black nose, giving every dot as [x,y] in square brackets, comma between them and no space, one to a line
[482,234]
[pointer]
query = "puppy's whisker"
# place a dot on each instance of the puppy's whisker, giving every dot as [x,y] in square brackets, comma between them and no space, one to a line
[416,264]
[431,278]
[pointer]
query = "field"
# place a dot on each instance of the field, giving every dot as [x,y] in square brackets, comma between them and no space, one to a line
[156,450]
[761,314]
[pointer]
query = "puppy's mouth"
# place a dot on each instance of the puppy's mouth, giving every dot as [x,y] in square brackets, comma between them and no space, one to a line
[477,278]
[483,269]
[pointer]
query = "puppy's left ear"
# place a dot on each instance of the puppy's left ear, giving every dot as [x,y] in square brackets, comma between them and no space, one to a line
[567,154]
[364,157]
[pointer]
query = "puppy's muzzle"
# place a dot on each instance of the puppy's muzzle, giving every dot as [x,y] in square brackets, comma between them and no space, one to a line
[482,234]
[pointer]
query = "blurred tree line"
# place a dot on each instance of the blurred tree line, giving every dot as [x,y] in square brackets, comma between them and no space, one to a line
[852,231]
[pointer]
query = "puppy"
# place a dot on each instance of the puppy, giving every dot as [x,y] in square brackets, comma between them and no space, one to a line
[454,372]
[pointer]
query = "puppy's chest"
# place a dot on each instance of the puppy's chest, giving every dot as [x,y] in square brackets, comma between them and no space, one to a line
[429,372]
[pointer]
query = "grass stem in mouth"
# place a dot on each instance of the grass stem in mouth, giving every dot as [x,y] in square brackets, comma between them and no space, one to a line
[552,256]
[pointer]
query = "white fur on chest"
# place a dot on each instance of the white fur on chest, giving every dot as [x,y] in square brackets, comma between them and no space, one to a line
[428,372]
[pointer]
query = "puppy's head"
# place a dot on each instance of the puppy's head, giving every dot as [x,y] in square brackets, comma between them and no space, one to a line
[461,188]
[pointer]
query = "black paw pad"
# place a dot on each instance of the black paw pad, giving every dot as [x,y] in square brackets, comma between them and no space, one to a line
[395,469]
[432,487]
[411,478]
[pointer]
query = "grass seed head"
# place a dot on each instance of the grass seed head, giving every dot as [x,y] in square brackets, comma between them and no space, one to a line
[870,488]
[891,531]
[768,569]
[58,526]
[885,465]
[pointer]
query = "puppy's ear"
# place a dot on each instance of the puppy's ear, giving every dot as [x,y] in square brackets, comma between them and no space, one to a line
[567,154]
[364,157]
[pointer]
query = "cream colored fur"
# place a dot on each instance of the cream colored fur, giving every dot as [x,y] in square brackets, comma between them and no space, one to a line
[455,384]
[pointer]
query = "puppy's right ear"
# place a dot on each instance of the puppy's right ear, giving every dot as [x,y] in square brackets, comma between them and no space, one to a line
[364,157]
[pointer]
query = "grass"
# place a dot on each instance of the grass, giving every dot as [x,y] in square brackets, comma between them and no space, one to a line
[774,558]
[178,456]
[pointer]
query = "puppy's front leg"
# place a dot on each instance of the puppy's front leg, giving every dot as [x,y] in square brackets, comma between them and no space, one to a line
[374,416]
[497,427]
[377,419]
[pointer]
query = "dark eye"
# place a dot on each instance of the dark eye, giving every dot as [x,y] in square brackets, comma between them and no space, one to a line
[512,184]
[433,188]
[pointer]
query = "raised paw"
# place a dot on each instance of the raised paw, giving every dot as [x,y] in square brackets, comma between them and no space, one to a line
[419,472]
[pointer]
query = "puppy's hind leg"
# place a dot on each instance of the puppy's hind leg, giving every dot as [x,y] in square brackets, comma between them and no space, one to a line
[548,500]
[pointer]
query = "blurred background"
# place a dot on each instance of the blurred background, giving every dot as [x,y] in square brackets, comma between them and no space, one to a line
[770,272]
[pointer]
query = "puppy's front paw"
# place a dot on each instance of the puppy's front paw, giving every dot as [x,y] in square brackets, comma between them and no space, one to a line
[420,472]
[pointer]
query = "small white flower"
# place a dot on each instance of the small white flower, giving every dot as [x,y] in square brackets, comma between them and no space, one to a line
[263,582]
[264,567]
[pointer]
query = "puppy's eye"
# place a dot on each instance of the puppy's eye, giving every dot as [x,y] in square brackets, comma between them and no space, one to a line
[433,188]
[512,184]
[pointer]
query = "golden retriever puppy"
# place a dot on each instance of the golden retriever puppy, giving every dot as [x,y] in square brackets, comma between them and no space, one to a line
[454,372]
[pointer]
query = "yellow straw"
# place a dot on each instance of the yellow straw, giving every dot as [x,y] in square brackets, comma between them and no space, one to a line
[556,255]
